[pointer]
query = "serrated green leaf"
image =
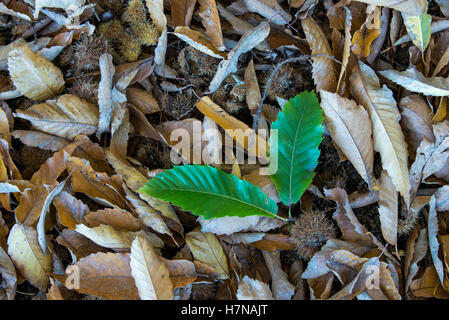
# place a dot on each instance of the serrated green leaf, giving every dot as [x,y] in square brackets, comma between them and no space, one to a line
[209,192]
[300,132]
[419,29]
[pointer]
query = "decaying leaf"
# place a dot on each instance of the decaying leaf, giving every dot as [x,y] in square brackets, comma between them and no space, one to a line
[34,76]
[207,249]
[66,117]
[351,129]
[247,42]
[252,289]
[323,66]
[388,137]
[149,272]
[27,255]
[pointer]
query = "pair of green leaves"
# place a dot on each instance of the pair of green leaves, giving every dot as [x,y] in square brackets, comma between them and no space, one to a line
[212,193]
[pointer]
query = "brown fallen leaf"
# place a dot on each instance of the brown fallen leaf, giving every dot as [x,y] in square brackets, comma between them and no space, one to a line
[8,272]
[388,137]
[142,100]
[149,271]
[324,73]
[106,275]
[419,249]
[416,120]
[71,211]
[282,288]
[108,237]
[429,285]
[230,225]
[241,133]
[34,76]
[182,271]
[79,245]
[198,41]
[207,249]
[120,219]
[388,209]
[99,186]
[434,246]
[66,117]
[211,21]
[351,130]
[181,12]
[369,31]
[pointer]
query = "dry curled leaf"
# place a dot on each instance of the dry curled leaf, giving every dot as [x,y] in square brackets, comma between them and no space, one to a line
[323,70]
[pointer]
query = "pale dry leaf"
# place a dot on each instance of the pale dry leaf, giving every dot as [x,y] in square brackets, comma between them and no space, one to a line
[388,209]
[253,289]
[8,273]
[211,21]
[246,43]
[389,140]
[41,140]
[61,4]
[419,252]
[108,237]
[414,7]
[350,128]
[444,6]
[430,157]
[346,51]
[105,103]
[28,257]
[269,9]
[156,10]
[66,117]
[442,197]
[34,76]
[149,216]
[198,41]
[5,10]
[230,225]
[106,275]
[432,232]
[415,81]
[282,288]
[40,227]
[207,249]
[323,68]
[150,273]
[416,120]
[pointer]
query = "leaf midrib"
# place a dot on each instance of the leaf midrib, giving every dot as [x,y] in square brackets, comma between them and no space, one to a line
[217,195]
